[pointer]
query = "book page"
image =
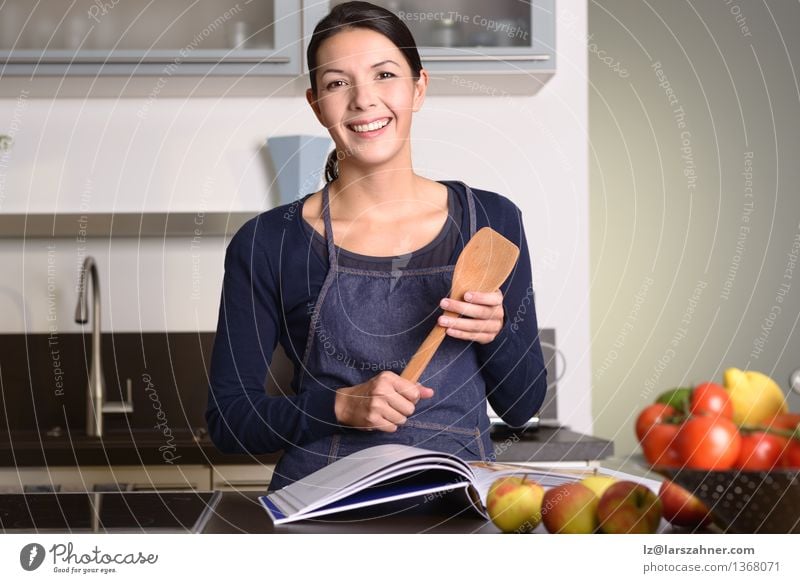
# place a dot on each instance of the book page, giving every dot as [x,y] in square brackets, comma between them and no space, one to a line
[350,473]
[487,472]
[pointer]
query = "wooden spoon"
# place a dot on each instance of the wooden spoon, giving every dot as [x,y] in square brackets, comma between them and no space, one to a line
[484,264]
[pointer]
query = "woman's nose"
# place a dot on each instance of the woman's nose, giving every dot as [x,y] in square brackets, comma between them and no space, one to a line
[362,95]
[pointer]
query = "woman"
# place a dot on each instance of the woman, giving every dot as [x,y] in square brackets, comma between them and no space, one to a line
[351,279]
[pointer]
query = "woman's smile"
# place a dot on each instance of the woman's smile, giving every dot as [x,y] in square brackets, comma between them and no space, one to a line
[369,129]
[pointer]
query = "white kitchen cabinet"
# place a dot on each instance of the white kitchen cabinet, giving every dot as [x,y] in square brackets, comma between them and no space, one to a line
[472,46]
[89,48]
[165,39]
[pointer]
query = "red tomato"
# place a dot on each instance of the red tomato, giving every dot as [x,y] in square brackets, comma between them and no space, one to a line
[651,415]
[788,421]
[791,455]
[760,451]
[711,399]
[708,443]
[658,445]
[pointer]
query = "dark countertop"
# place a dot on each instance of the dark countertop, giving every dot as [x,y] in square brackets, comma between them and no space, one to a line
[241,512]
[147,447]
[234,513]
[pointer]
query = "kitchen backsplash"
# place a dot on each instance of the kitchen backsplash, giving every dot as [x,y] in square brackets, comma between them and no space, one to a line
[43,379]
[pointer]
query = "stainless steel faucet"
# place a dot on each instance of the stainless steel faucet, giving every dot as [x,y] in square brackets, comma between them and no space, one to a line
[96,389]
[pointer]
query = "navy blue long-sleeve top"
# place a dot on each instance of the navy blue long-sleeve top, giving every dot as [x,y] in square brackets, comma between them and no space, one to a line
[273,276]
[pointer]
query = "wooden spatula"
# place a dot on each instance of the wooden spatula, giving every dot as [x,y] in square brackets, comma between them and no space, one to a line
[484,264]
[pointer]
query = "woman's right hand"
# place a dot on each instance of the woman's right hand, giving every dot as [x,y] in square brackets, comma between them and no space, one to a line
[384,402]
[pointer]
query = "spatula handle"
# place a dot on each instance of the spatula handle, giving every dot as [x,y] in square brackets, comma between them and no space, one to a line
[425,353]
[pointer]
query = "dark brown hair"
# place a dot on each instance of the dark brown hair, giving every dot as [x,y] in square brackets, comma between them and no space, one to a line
[360,15]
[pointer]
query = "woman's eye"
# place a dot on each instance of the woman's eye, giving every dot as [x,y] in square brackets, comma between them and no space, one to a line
[385,73]
[334,84]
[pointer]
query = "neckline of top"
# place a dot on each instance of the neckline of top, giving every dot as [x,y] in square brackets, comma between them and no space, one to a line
[451,194]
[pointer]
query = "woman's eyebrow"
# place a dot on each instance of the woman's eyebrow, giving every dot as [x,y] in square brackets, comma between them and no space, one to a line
[376,65]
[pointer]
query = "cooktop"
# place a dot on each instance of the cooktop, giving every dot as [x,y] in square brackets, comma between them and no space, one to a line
[129,512]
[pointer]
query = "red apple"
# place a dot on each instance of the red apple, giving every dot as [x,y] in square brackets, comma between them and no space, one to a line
[682,508]
[570,509]
[629,507]
[515,504]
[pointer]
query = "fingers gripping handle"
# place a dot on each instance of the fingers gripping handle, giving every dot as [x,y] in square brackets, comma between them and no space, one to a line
[425,353]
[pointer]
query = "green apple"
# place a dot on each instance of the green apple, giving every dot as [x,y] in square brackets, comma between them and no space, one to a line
[598,483]
[629,507]
[570,509]
[514,504]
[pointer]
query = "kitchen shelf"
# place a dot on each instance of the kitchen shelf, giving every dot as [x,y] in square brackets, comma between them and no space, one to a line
[175,224]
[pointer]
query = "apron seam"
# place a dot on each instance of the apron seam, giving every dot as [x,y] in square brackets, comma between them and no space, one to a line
[390,274]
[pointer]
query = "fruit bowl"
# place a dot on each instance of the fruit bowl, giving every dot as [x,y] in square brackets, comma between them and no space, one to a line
[745,501]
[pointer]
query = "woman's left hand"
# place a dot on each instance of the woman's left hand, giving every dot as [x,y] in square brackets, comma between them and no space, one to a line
[484,316]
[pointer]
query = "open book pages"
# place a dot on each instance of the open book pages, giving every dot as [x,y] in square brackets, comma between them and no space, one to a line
[362,470]
[391,472]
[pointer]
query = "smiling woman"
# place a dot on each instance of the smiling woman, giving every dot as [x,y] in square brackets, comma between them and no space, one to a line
[351,314]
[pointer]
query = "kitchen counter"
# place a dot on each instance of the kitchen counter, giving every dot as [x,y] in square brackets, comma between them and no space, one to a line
[240,513]
[147,447]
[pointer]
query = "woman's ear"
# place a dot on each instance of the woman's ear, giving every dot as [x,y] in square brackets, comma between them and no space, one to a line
[420,88]
[312,101]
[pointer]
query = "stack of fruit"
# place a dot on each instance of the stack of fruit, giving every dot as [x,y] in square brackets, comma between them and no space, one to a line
[596,504]
[744,425]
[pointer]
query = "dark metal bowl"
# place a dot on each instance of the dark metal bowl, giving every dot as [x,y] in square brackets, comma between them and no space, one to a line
[745,501]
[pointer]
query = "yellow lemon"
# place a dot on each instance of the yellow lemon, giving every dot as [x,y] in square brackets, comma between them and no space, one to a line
[756,397]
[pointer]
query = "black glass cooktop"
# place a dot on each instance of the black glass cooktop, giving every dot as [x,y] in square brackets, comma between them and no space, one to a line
[106,511]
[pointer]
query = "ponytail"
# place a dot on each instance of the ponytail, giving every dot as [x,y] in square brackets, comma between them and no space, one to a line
[332,167]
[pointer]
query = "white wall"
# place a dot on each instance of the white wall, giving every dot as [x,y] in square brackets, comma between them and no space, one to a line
[694,140]
[207,154]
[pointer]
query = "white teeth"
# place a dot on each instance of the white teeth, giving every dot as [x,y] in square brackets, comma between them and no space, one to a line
[370,127]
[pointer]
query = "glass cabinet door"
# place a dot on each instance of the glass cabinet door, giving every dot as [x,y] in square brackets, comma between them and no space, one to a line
[475,35]
[192,36]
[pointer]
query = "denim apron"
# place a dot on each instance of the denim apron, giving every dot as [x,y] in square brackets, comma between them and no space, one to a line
[364,322]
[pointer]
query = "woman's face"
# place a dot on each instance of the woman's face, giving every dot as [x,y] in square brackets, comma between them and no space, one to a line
[363,82]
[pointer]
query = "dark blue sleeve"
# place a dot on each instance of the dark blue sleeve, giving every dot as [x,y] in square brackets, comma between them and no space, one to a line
[513,365]
[241,416]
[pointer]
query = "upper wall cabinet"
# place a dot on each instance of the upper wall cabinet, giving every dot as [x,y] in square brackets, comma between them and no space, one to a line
[473,46]
[255,47]
[139,37]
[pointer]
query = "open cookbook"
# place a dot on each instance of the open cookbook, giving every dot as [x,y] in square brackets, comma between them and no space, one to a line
[386,473]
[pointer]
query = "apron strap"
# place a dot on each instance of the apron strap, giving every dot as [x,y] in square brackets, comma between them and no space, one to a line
[473,222]
[471,204]
[326,217]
